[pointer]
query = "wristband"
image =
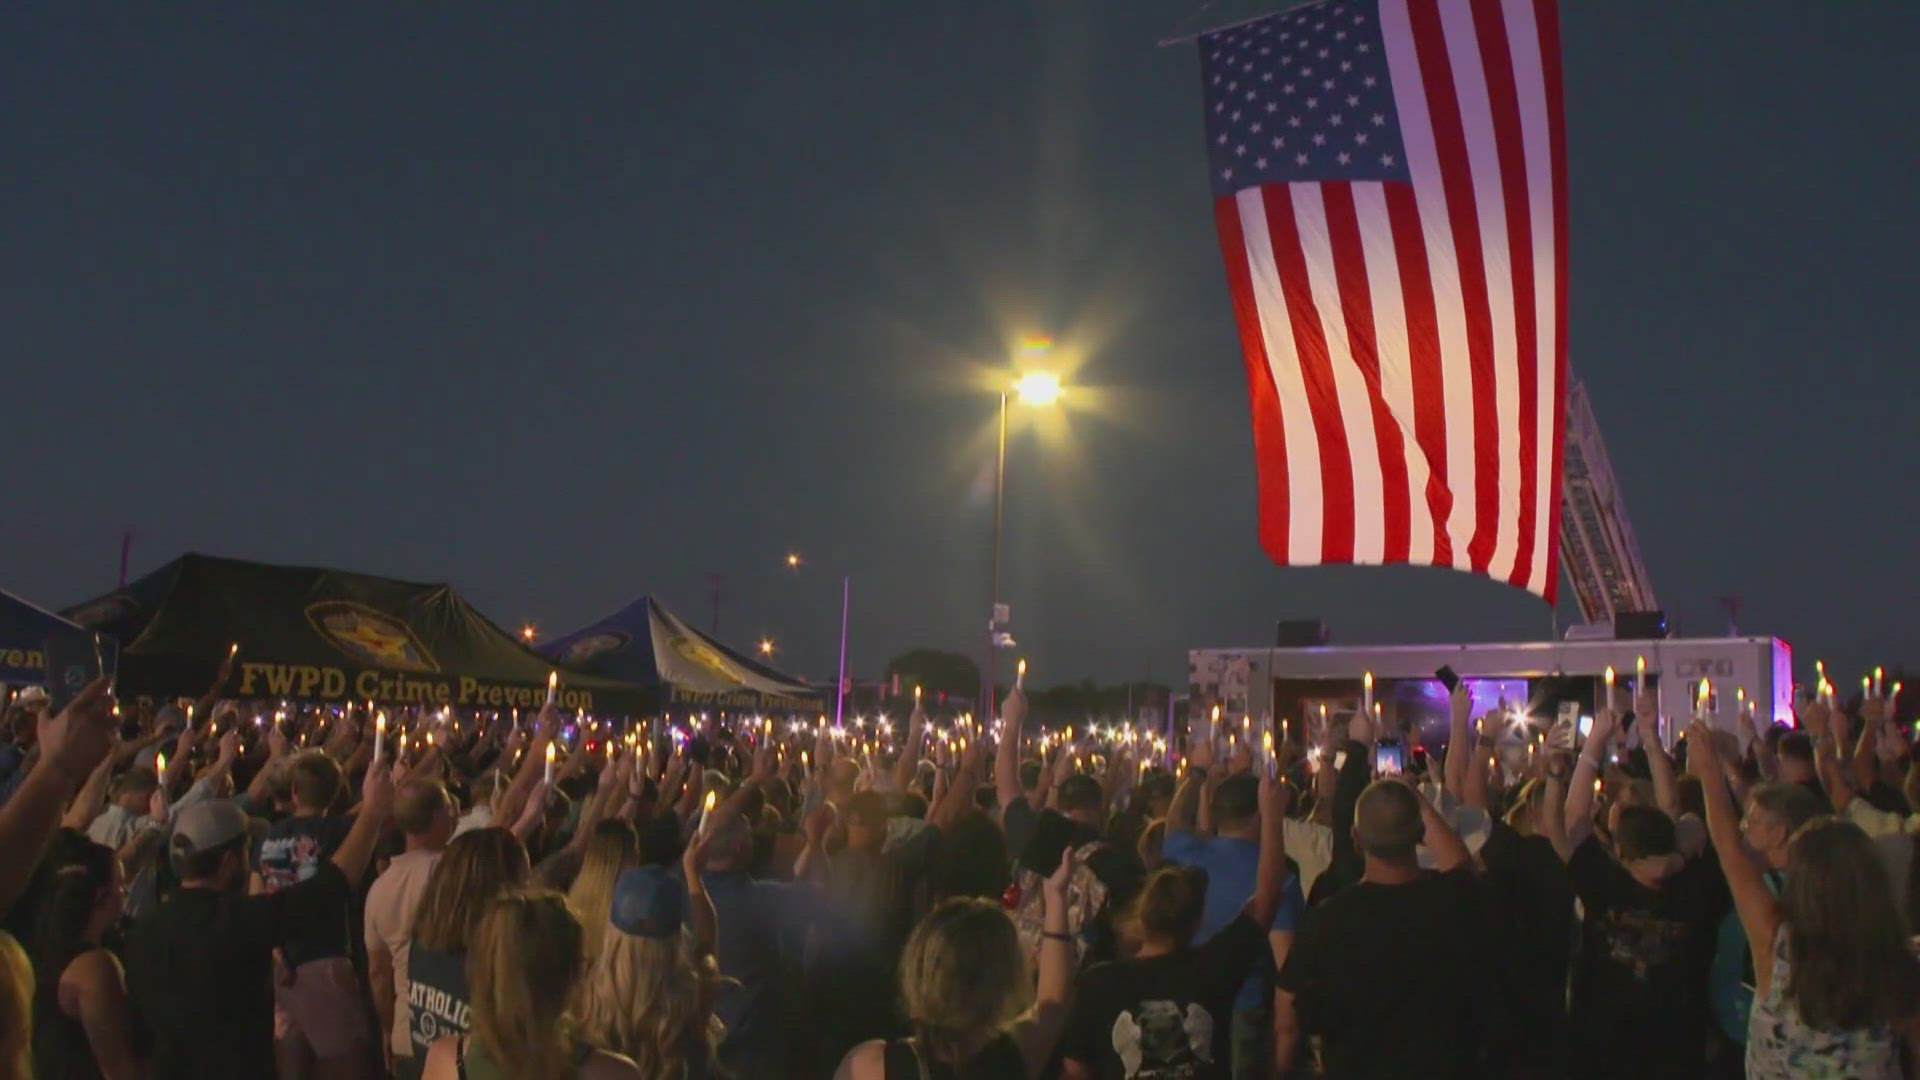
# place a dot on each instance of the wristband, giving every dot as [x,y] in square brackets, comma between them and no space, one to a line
[1055,935]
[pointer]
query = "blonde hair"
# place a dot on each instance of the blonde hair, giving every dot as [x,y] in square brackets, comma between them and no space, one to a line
[963,978]
[524,967]
[611,848]
[16,1010]
[652,1000]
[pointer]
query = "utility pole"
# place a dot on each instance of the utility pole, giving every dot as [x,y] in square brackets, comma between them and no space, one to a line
[1731,604]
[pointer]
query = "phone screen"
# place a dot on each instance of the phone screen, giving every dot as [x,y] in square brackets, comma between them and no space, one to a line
[74,659]
[1389,758]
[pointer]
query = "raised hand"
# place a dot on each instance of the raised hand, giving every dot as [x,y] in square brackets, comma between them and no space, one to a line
[1703,753]
[1056,884]
[1013,710]
[82,733]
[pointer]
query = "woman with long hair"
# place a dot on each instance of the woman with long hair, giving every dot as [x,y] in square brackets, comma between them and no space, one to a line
[973,1004]
[476,867]
[81,1024]
[649,991]
[612,847]
[525,965]
[1835,981]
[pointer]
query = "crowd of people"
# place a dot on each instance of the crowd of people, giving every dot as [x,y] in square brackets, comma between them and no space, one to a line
[259,889]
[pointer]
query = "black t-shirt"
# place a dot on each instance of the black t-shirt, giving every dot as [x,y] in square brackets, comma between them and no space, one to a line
[1395,978]
[1166,1017]
[200,973]
[1533,899]
[1640,1005]
[293,851]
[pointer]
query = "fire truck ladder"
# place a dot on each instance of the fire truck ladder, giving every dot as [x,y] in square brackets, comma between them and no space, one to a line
[1596,540]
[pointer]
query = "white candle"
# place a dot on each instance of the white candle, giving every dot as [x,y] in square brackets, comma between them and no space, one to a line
[1610,707]
[1879,681]
[1366,692]
[379,734]
[706,810]
[549,772]
[1640,675]
[1705,699]
[1019,677]
[553,687]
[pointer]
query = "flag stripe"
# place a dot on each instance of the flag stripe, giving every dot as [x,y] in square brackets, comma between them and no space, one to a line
[1547,17]
[1316,372]
[1429,384]
[1352,389]
[1351,305]
[1456,181]
[1509,145]
[1485,248]
[1423,221]
[1269,439]
[1305,509]
[1379,258]
[1531,108]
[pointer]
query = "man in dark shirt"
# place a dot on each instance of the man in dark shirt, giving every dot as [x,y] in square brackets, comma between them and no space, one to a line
[200,970]
[1391,971]
[1640,1002]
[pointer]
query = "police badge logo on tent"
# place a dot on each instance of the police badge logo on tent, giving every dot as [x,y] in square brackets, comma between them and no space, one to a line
[370,637]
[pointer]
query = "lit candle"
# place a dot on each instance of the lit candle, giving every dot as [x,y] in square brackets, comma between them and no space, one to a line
[160,764]
[1879,681]
[1610,688]
[233,650]
[1701,703]
[548,776]
[916,694]
[706,809]
[379,734]
[553,688]
[1640,675]
[1366,691]
[1286,731]
[1866,687]
[1020,676]
[805,763]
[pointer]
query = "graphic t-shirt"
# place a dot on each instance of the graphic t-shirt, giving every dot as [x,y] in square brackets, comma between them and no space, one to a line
[1166,1017]
[436,997]
[1640,993]
[291,853]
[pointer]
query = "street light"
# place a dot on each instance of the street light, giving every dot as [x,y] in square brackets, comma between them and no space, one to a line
[840,676]
[527,632]
[1038,389]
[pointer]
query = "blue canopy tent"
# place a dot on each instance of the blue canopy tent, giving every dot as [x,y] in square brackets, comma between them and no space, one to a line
[24,629]
[644,643]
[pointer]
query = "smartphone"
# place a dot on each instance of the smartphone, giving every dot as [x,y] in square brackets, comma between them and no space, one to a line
[74,659]
[1389,758]
[1448,678]
[1418,759]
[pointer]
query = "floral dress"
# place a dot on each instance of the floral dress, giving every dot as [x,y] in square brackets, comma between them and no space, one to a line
[1780,1046]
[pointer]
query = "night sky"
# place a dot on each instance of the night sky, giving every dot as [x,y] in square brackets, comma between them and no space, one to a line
[564,306]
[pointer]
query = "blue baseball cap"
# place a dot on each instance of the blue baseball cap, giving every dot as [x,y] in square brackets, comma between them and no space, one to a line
[648,902]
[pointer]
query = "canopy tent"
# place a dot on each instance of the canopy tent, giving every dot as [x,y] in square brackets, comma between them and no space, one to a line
[647,644]
[327,635]
[24,630]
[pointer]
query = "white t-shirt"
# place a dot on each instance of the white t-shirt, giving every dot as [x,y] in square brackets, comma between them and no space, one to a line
[391,904]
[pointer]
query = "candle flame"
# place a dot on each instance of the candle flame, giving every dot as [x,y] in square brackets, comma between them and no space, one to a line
[1609,674]
[712,797]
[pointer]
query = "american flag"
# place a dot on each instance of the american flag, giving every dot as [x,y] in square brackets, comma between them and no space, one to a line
[1389,182]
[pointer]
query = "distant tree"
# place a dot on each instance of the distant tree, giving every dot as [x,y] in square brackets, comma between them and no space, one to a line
[936,671]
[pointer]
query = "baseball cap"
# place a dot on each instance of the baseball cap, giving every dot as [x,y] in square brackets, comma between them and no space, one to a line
[203,826]
[648,903]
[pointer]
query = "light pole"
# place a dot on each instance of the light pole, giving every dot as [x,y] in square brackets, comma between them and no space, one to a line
[1037,389]
[840,675]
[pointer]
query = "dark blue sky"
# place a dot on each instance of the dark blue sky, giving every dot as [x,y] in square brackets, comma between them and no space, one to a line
[568,305]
